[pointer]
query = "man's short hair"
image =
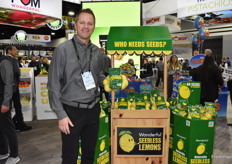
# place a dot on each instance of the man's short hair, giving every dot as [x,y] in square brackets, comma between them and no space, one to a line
[8,48]
[85,11]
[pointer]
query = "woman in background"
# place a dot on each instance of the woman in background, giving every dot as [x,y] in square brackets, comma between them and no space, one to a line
[174,67]
[21,61]
[147,69]
[210,77]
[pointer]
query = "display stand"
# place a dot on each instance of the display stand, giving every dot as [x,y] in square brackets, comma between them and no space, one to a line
[26,93]
[43,110]
[139,136]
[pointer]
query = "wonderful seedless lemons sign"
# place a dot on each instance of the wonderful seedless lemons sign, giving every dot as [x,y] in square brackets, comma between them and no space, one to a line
[140,141]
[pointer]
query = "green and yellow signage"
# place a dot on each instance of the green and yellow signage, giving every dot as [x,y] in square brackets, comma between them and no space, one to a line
[139,40]
[140,141]
[193,141]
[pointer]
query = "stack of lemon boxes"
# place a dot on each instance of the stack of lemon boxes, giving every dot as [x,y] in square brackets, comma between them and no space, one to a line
[193,132]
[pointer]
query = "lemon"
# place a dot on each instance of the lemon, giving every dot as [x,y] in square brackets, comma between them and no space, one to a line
[200,149]
[180,145]
[102,114]
[106,81]
[209,116]
[184,92]
[127,142]
[102,145]
[204,118]
[107,88]
[170,130]
[167,104]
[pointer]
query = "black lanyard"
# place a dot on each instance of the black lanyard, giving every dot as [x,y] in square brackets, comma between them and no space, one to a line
[78,57]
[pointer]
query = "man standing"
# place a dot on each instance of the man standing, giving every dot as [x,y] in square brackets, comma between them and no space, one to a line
[35,65]
[8,134]
[73,79]
[208,52]
[228,62]
[160,67]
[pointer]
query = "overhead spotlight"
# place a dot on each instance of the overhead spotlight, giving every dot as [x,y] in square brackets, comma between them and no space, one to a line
[53,33]
[71,13]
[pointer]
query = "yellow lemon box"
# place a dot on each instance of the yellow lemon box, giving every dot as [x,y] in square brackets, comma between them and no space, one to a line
[193,141]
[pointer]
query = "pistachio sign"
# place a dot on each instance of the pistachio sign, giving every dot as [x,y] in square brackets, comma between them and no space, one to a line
[194,7]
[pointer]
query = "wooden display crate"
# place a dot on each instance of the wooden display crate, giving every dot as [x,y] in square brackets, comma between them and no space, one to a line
[139,136]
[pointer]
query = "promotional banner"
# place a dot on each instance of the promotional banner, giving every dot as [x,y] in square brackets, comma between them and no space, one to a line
[196,60]
[140,141]
[51,8]
[181,38]
[43,111]
[194,7]
[173,23]
[39,38]
[154,21]
[29,13]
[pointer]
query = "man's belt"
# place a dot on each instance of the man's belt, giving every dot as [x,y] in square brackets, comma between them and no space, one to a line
[81,105]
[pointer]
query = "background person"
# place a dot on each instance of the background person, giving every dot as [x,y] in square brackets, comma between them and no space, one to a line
[21,62]
[131,62]
[148,72]
[223,64]
[75,102]
[208,52]
[195,52]
[173,70]
[45,64]
[160,67]
[9,74]
[210,77]
[228,62]
[35,65]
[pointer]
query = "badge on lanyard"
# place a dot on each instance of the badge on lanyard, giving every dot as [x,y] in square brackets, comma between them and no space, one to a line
[88,80]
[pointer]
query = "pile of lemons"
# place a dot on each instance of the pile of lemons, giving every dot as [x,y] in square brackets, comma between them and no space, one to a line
[121,82]
[195,112]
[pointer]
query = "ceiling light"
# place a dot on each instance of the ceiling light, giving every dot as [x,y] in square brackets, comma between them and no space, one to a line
[71,13]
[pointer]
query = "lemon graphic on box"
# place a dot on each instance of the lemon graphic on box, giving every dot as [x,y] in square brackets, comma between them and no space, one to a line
[200,149]
[180,144]
[102,145]
[184,92]
[126,141]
